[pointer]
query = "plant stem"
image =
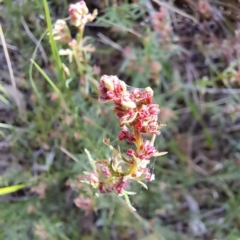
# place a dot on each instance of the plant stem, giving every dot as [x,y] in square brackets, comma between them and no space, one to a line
[79,48]
[139,140]
[79,67]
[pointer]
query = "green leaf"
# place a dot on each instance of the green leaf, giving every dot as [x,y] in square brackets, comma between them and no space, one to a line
[92,162]
[52,84]
[54,48]
[128,201]
[11,189]
[143,184]
[130,193]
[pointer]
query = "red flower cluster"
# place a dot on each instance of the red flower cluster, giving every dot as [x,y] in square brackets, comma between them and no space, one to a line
[126,135]
[102,178]
[138,116]
[133,107]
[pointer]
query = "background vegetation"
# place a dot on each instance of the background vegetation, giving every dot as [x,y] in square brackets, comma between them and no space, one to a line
[188,53]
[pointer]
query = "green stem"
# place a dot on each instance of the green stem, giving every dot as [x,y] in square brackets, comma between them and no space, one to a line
[79,40]
[76,48]
[80,35]
[126,160]
[139,140]
[79,67]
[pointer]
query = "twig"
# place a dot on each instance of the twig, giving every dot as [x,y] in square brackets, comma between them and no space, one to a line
[109,42]
[196,226]
[147,227]
[206,104]
[214,90]
[94,24]
[31,36]
[5,75]
[150,9]
[174,9]
[64,150]
[123,28]
[14,48]
[234,128]
[13,81]
[7,59]
[213,212]
[39,167]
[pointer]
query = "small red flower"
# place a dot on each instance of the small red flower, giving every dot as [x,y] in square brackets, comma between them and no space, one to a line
[142,96]
[130,152]
[125,134]
[111,88]
[105,172]
[153,109]
[146,151]
[149,176]
[105,188]
[121,185]
[126,117]
[92,178]
[147,120]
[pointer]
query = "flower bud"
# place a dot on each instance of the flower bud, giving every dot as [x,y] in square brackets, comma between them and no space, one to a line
[149,90]
[128,103]
[95,13]
[125,134]
[106,172]
[61,32]
[154,109]
[111,88]
[92,178]
[149,177]
[130,152]
[79,14]
[146,151]
[108,82]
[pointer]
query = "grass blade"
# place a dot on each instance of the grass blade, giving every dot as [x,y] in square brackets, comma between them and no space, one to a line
[51,83]
[11,189]
[31,66]
[54,48]
[4,125]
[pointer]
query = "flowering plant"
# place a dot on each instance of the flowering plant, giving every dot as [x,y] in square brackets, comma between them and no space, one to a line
[78,49]
[137,116]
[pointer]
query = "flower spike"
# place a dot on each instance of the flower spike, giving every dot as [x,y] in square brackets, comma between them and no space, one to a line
[137,116]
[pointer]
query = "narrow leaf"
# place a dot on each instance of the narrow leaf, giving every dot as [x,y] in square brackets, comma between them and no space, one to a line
[143,184]
[92,162]
[11,189]
[52,41]
[128,201]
